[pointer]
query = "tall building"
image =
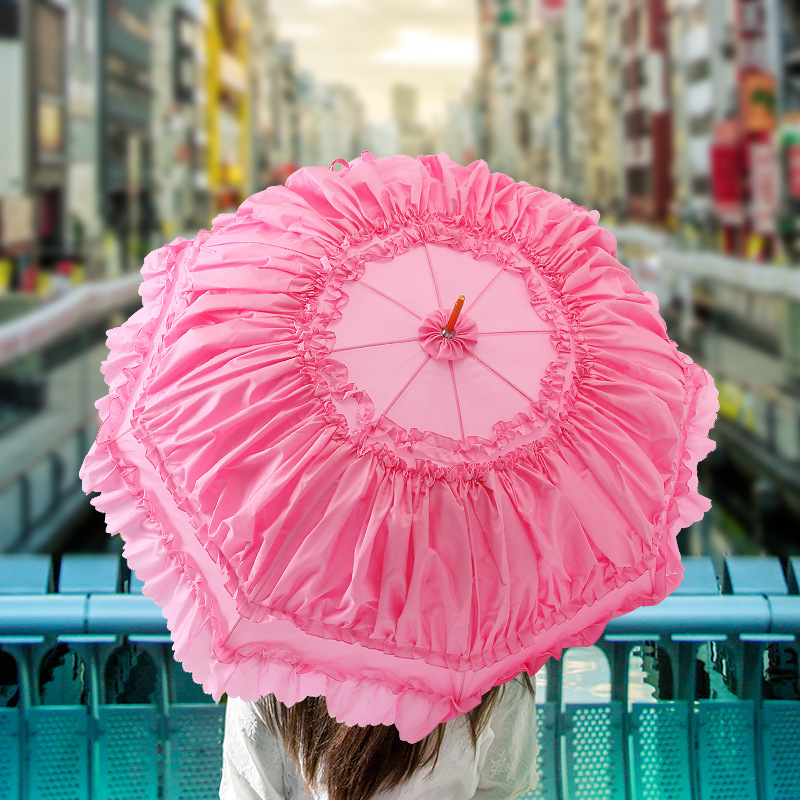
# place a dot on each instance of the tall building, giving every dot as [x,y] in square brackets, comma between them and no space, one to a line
[703,94]
[544,75]
[228,102]
[331,118]
[48,153]
[125,115]
[647,136]
[456,136]
[404,104]
[31,138]
[744,158]
[787,22]
[263,35]
[84,207]
[577,79]
[600,104]
[502,30]
[179,115]
[285,143]
[412,137]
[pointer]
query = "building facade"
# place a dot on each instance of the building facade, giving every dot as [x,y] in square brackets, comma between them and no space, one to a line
[647,124]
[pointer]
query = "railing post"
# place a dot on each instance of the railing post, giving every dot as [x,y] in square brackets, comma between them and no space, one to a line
[22,655]
[25,511]
[94,723]
[56,477]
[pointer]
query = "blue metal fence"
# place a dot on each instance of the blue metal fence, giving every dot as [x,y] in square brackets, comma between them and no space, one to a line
[92,704]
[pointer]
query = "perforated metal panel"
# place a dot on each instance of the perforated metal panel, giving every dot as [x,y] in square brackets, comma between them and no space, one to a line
[725,749]
[128,753]
[59,753]
[195,751]
[9,737]
[546,760]
[593,752]
[781,749]
[659,751]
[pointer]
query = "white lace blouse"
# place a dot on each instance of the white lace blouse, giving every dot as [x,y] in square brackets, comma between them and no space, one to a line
[255,767]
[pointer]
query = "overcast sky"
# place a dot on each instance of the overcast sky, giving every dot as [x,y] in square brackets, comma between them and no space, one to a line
[372,44]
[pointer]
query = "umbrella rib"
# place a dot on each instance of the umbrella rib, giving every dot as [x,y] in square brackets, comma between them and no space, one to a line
[407,384]
[458,404]
[483,291]
[502,377]
[271,244]
[433,275]
[374,344]
[500,333]
[393,300]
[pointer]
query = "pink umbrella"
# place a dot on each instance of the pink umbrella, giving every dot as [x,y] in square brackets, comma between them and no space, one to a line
[394,435]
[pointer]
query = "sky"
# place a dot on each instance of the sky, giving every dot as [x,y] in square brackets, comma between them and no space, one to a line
[372,44]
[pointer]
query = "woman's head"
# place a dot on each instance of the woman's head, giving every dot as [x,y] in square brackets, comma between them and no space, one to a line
[356,762]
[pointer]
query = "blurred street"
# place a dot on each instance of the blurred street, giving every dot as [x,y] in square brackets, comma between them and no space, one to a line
[128,123]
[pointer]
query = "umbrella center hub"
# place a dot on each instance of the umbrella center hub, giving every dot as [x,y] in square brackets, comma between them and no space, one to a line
[440,343]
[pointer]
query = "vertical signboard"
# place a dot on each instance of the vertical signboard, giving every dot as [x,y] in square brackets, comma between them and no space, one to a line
[49,80]
[757,101]
[765,186]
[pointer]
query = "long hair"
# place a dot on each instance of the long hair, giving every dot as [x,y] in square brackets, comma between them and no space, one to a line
[356,762]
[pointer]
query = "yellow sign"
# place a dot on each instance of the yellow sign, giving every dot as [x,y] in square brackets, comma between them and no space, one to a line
[6,273]
[736,404]
[78,274]
[43,281]
[754,244]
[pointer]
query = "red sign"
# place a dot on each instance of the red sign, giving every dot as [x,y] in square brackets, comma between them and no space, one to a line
[551,9]
[793,181]
[727,179]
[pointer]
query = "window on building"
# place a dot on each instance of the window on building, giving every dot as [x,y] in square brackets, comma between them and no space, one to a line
[9,19]
[49,32]
[523,129]
[637,123]
[641,72]
[637,181]
[699,70]
[702,125]
[701,185]
[697,16]
[134,24]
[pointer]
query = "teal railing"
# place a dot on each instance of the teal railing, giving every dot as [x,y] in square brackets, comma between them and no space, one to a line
[92,704]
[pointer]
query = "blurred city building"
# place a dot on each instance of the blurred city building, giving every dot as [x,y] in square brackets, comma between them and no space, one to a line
[703,91]
[228,103]
[500,58]
[330,121]
[130,122]
[412,137]
[602,124]
[179,113]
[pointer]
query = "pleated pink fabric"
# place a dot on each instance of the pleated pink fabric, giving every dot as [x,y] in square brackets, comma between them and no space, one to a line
[328,496]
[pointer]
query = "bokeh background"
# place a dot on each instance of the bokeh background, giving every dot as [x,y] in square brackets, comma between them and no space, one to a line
[126,123]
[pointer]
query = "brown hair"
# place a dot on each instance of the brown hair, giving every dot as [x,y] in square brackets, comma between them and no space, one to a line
[356,762]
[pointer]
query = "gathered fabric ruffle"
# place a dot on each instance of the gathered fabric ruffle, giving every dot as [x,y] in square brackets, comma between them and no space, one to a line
[436,345]
[462,553]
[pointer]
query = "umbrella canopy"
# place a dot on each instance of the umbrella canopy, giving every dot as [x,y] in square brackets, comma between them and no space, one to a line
[335,483]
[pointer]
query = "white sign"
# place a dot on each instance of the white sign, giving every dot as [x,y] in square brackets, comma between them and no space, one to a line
[16,220]
[765,182]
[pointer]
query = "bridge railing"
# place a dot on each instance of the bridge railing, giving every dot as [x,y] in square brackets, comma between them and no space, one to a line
[92,704]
